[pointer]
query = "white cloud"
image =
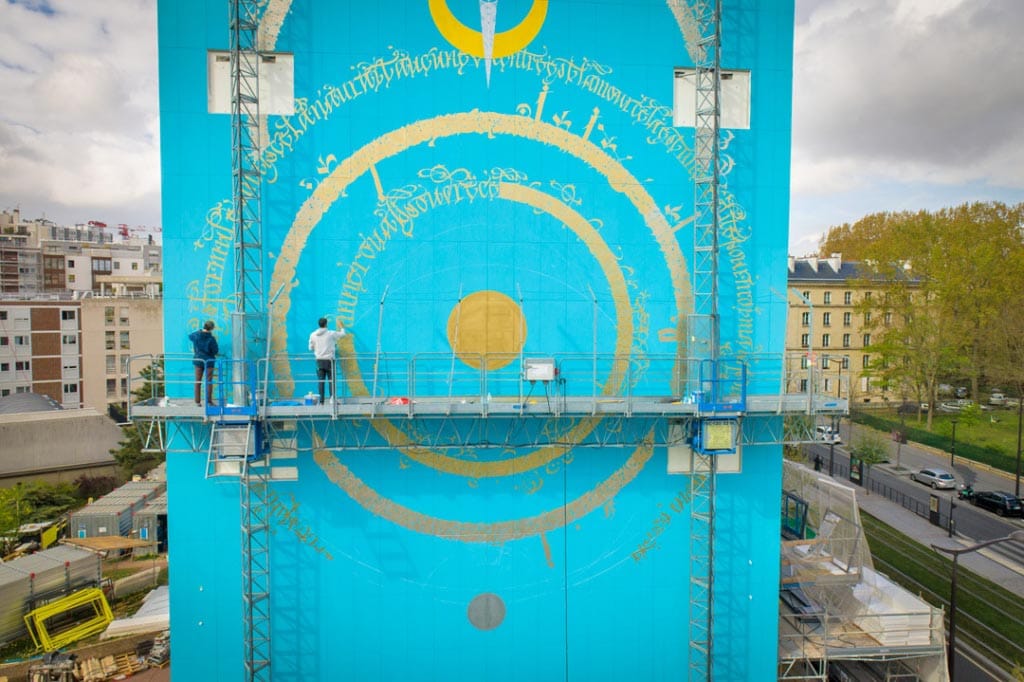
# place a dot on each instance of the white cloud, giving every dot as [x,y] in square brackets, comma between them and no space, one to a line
[915,92]
[79,127]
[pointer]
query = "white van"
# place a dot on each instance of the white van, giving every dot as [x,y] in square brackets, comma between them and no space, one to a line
[827,435]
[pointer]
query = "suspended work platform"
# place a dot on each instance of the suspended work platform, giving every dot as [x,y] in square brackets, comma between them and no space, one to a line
[651,392]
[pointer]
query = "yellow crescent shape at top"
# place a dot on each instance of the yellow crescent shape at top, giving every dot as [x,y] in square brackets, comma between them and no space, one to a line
[472,42]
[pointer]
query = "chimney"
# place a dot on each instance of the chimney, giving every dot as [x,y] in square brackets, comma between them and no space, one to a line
[836,261]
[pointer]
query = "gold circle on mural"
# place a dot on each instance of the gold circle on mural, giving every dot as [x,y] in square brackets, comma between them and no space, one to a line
[486,327]
[491,124]
[429,131]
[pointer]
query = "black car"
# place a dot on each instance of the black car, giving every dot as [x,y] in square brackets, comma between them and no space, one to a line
[1004,504]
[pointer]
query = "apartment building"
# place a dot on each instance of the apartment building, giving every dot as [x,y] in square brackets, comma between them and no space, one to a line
[40,349]
[39,256]
[75,303]
[826,343]
[113,329]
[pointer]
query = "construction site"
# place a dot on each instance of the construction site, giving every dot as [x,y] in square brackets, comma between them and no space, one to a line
[549,444]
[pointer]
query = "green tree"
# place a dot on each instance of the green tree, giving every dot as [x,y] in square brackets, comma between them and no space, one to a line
[871,449]
[135,456]
[914,338]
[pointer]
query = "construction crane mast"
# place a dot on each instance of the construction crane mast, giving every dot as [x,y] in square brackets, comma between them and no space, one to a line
[704,327]
[247,332]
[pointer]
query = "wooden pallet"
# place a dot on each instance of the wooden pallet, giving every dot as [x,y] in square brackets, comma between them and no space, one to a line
[128,664]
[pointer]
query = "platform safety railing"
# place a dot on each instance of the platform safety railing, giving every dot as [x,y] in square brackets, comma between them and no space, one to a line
[553,383]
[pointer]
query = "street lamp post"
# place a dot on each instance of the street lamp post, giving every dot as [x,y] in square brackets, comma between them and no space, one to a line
[832,446]
[1020,419]
[1017,536]
[952,445]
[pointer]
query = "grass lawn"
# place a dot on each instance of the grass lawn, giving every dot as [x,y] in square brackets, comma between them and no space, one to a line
[987,437]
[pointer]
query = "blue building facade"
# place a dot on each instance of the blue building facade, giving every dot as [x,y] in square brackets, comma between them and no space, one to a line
[466,204]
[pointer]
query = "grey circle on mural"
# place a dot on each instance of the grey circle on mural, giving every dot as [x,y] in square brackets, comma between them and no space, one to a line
[486,611]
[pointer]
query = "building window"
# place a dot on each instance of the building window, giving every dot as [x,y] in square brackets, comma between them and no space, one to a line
[109,340]
[847,298]
[867,295]
[4,392]
[71,388]
[865,362]
[828,385]
[804,340]
[111,387]
[805,318]
[22,366]
[825,338]
[117,265]
[828,298]
[20,340]
[125,344]
[825,362]
[867,340]
[867,318]
[4,341]
[71,279]
[124,386]
[803,362]
[846,340]
[124,314]
[827,319]
[108,315]
[807,295]
[111,364]
[123,366]
[67,314]
[847,319]
[846,362]
[69,339]
[5,367]
[803,385]
[71,263]
[3,314]
[887,319]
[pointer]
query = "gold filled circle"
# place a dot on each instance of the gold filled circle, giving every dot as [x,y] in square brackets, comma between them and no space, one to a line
[486,328]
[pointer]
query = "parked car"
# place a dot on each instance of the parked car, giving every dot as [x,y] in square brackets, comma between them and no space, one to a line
[827,435]
[960,392]
[936,478]
[997,398]
[1002,503]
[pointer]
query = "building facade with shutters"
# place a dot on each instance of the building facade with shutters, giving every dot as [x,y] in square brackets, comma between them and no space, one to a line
[827,343]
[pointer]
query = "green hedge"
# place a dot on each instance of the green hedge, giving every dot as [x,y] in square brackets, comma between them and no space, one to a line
[989,455]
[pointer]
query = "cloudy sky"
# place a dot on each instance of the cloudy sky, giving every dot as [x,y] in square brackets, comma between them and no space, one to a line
[898,104]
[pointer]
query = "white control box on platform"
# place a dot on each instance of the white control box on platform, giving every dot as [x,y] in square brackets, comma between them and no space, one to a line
[539,370]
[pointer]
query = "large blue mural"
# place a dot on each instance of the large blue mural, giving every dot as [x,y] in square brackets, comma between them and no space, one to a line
[463,182]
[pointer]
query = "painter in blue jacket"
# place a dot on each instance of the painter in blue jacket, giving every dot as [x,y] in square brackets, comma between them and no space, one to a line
[204,350]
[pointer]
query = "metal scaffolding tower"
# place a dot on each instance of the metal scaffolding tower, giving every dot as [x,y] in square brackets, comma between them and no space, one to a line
[248,324]
[704,326]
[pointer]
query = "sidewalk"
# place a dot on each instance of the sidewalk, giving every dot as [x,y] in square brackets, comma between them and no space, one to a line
[986,564]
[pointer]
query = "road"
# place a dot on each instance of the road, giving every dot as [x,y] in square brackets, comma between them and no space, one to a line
[970,523]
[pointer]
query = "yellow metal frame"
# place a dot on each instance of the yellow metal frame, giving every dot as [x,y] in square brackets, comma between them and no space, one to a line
[36,619]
